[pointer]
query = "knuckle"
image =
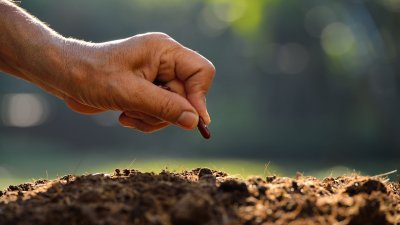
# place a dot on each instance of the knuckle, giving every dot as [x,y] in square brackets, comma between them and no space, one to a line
[210,69]
[156,36]
[160,35]
[138,100]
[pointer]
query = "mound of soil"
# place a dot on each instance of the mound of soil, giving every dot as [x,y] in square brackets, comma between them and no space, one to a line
[200,196]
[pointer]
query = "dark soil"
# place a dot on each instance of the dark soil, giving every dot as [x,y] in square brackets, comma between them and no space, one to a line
[201,196]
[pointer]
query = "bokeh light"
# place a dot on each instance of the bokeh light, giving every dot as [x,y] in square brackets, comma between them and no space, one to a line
[229,11]
[337,39]
[24,110]
[209,24]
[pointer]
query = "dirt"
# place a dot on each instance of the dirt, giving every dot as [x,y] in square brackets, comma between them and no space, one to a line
[201,196]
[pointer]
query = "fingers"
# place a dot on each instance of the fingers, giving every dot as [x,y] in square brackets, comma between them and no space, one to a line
[138,124]
[151,120]
[81,108]
[197,73]
[198,100]
[165,105]
[177,86]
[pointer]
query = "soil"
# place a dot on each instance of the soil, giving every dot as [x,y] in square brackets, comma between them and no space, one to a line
[201,196]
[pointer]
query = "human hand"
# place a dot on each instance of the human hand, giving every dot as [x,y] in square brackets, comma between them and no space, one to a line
[120,75]
[117,75]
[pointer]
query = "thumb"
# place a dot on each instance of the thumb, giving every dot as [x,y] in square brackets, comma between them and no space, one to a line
[167,106]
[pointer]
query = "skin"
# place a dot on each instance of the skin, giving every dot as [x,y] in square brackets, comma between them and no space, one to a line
[116,75]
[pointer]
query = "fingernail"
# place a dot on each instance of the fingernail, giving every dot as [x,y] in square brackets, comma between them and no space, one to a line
[188,120]
[208,118]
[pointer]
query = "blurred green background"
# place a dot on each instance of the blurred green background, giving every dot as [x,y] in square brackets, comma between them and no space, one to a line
[309,86]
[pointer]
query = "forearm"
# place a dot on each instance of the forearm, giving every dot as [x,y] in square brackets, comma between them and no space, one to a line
[31,50]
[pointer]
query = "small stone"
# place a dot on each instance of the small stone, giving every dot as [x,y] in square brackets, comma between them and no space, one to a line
[204,171]
[269,179]
[13,188]
[126,172]
[45,181]
[233,185]
[367,186]
[295,185]
[25,187]
[67,178]
[117,172]
[261,190]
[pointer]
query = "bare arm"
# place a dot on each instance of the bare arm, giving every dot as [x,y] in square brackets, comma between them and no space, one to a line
[28,48]
[116,75]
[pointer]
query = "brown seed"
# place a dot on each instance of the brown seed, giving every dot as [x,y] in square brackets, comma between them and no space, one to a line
[203,129]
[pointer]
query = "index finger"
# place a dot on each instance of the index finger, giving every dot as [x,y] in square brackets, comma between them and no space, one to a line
[197,73]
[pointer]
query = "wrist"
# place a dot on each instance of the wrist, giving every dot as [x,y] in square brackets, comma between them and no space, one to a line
[77,61]
[73,64]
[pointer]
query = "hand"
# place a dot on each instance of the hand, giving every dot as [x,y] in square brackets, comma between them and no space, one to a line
[120,76]
[117,75]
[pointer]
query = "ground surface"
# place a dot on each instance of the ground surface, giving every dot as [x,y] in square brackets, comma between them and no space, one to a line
[199,197]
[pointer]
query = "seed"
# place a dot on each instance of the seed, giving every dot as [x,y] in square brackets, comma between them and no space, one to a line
[203,129]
